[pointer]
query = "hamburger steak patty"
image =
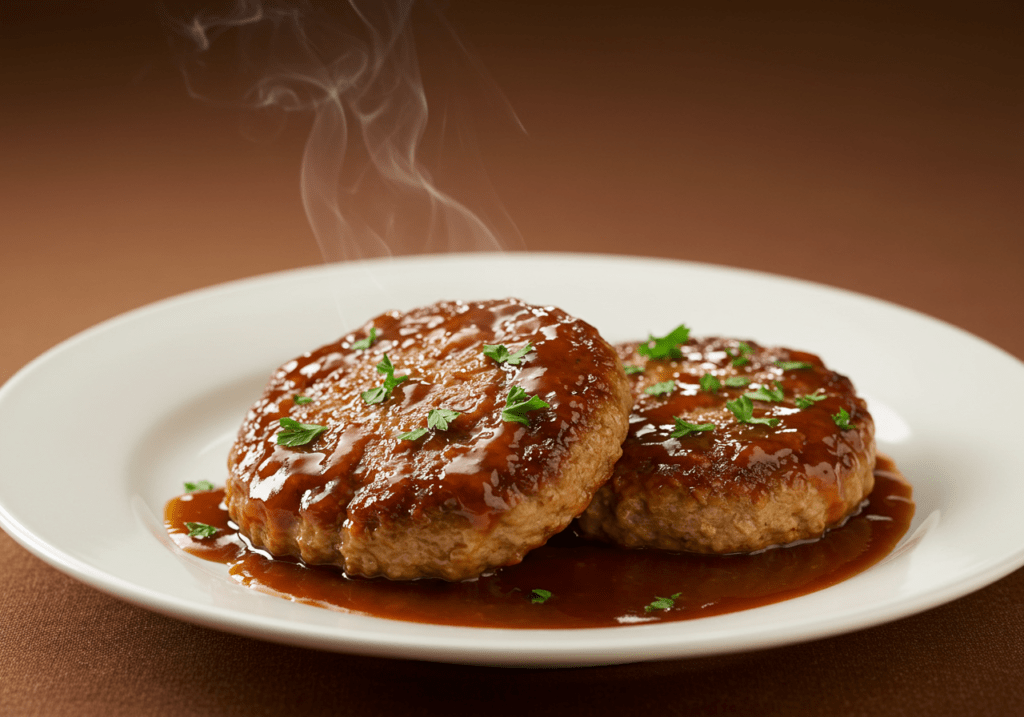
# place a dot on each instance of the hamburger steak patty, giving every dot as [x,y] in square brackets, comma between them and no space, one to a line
[742,486]
[450,503]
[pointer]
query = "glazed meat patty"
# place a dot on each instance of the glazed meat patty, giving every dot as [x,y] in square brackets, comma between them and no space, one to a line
[734,483]
[424,456]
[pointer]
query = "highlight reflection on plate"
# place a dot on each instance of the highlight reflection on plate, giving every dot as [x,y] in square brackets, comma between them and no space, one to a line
[138,405]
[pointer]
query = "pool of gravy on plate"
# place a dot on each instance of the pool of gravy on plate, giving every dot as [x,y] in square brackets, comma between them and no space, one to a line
[590,584]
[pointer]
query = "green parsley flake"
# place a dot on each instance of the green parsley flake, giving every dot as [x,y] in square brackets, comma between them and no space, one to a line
[301,400]
[842,419]
[365,343]
[736,381]
[538,596]
[518,403]
[793,365]
[742,355]
[383,392]
[198,485]
[293,433]
[709,383]
[200,530]
[439,418]
[415,434]
[685,428]
[665,346]
[763,393]
[662,603]
[631,369]
[743,409]
[810,399]
[662,388]
[499,352]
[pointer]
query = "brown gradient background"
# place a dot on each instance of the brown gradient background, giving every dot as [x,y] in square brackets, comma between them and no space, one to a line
[873,148]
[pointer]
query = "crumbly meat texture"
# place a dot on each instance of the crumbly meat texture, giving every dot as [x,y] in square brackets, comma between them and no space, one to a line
[740,487]
[453,503]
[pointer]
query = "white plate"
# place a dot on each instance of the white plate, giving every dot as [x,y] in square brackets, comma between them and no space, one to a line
[99,432]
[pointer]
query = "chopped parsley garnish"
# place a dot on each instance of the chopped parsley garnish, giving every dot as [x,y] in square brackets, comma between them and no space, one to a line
[437,420]
[518,403]
[842,419]
[743,409]
[200,530]
[301,400]
[810,399]
[793,365]
[539,596]
[415,434]
[665,346]
[293,433]
[662,603]
[709,383]
[763,393]
[383,392]
[365,343]
[198,485]
[685,428]
[499,352]
[742,355]
[663,388]
[631,369]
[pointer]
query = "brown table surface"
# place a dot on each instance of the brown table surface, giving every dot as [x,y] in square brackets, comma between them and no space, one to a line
[873,148]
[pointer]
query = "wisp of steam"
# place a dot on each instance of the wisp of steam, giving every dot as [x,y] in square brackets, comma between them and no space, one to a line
[353,66]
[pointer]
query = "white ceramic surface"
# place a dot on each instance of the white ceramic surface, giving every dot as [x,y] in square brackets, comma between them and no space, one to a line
[99,432]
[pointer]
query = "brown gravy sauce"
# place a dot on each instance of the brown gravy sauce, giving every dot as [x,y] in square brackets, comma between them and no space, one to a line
[591,585]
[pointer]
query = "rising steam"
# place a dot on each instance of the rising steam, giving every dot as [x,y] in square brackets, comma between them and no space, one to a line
[366,190]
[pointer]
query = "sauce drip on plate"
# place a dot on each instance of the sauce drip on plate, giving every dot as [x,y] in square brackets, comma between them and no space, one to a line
[591,584]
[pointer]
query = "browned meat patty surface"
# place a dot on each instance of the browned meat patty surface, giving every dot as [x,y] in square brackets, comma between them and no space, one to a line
[734,483]
[391,482]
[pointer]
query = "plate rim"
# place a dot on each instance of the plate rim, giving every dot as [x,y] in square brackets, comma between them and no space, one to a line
[517,653]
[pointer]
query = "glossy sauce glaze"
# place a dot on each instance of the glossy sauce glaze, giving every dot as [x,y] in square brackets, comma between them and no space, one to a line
[741,485]
[358,487]
[749,459]
[591,585]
